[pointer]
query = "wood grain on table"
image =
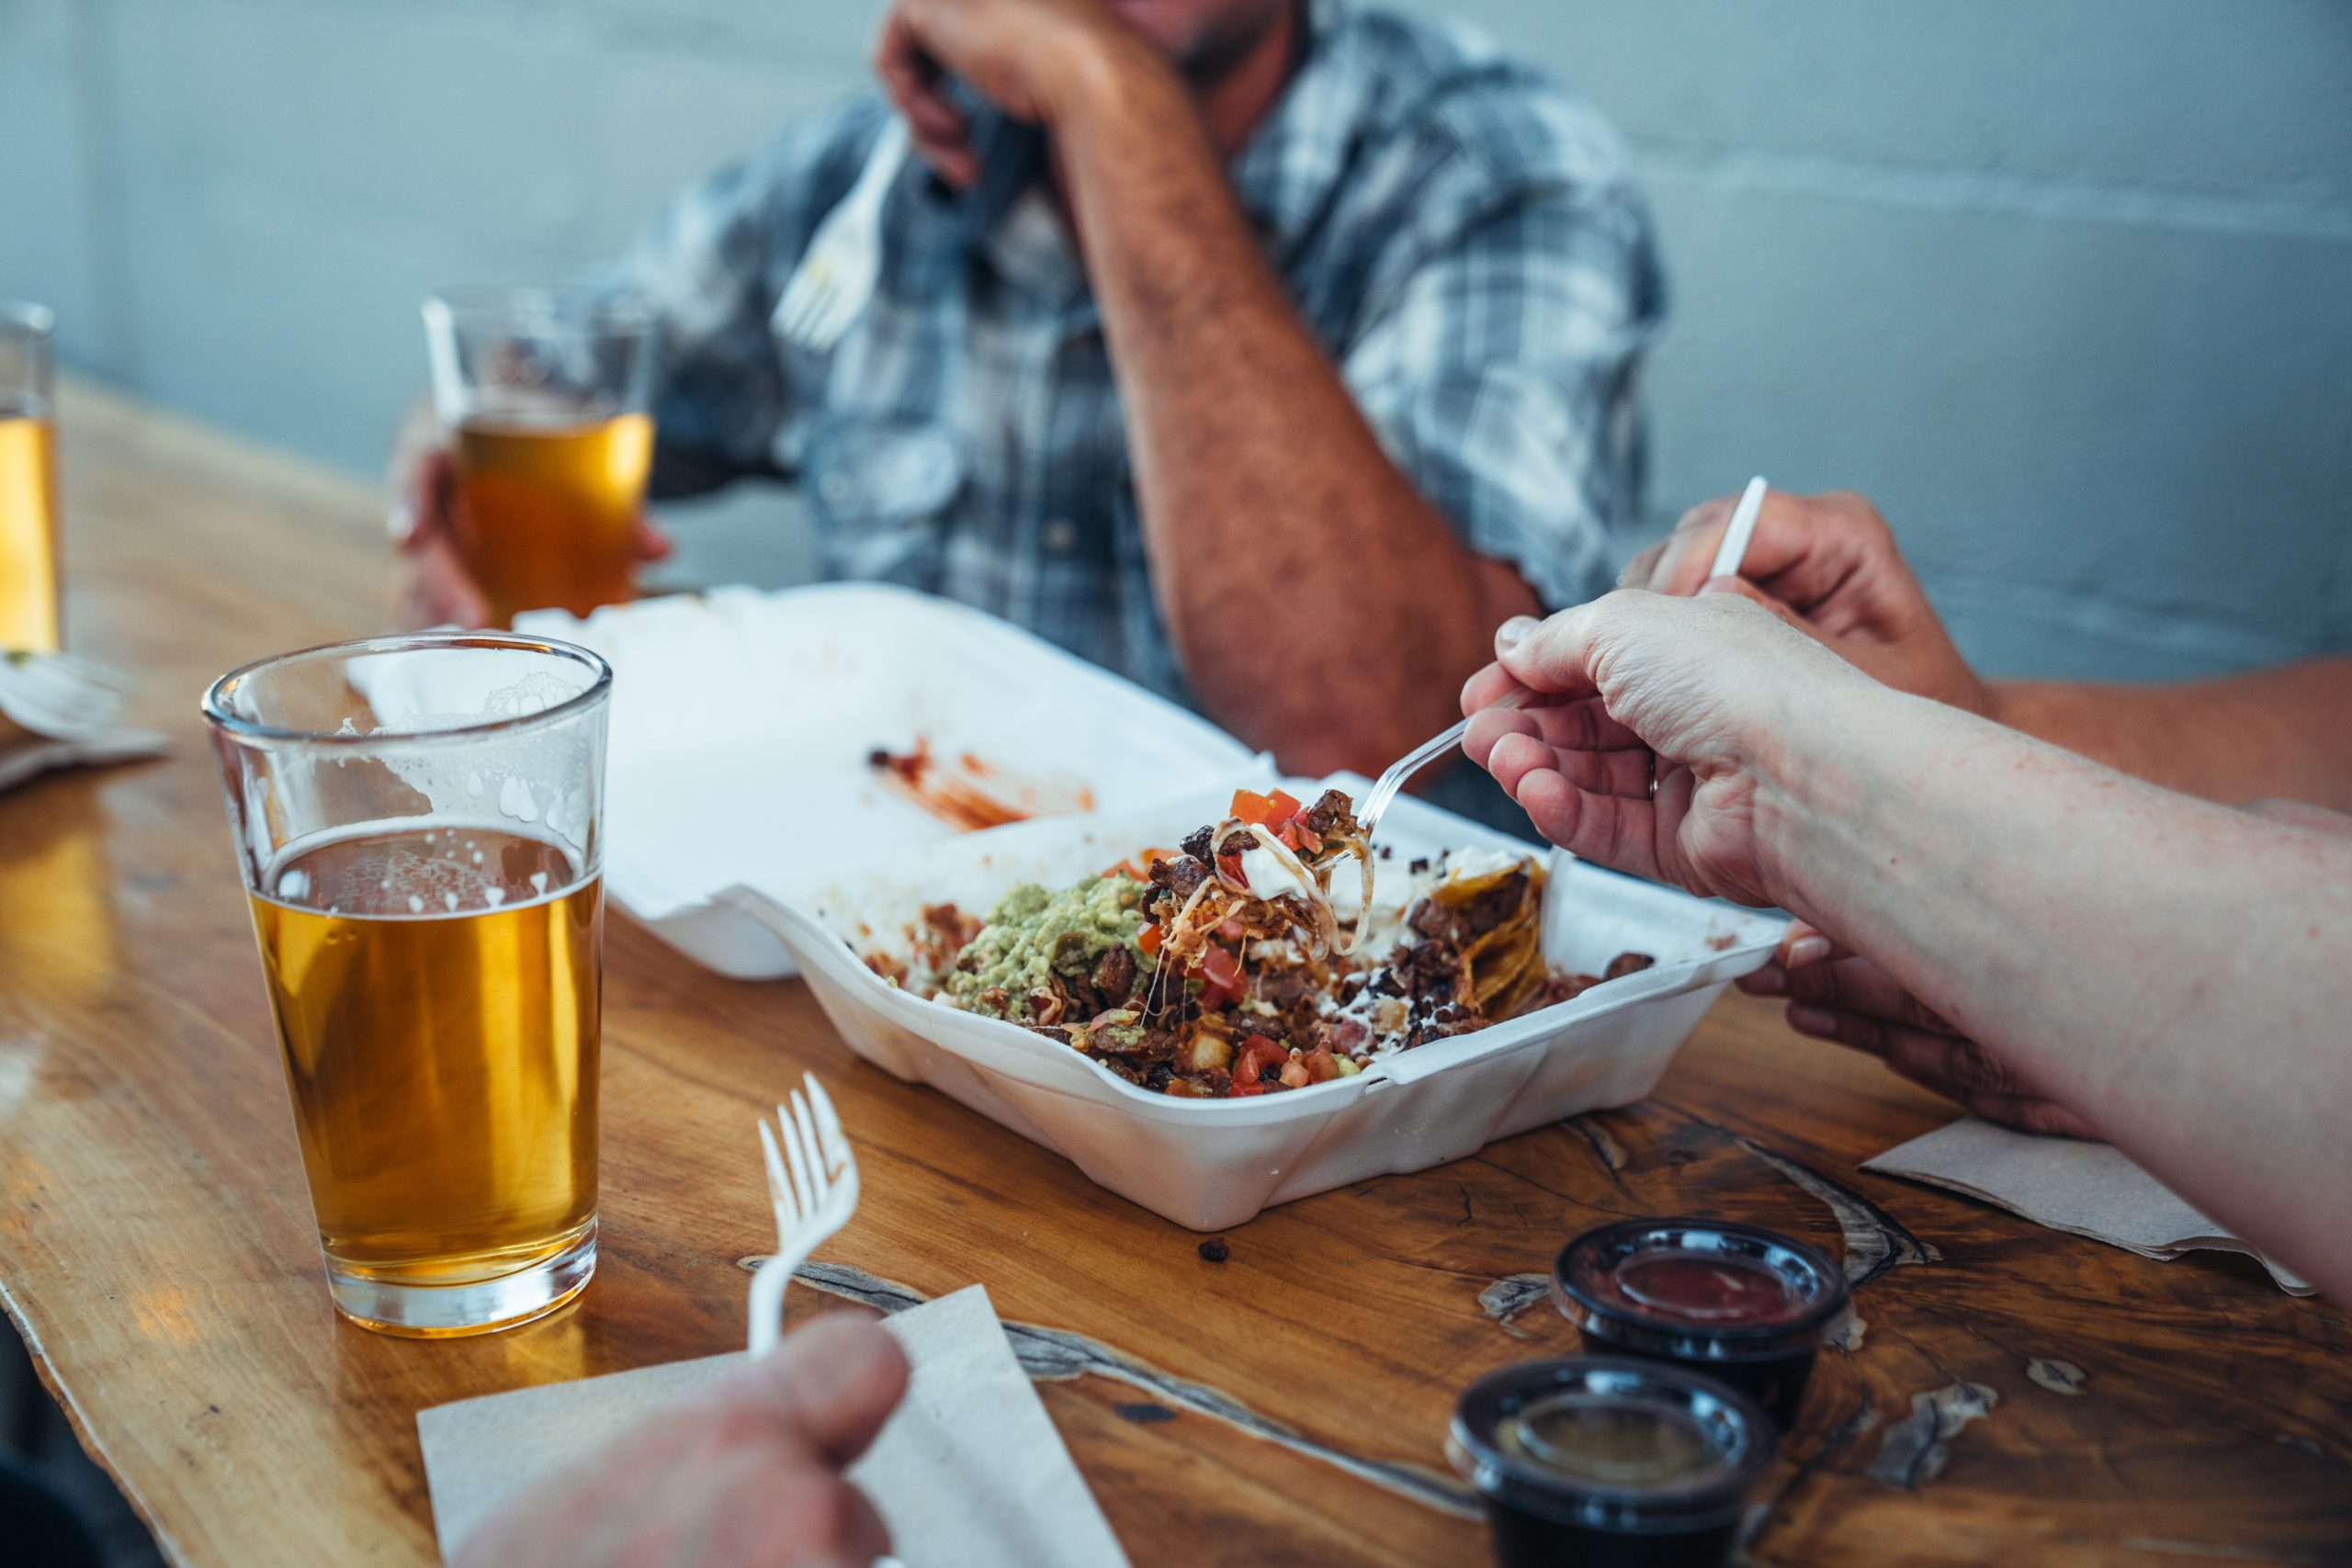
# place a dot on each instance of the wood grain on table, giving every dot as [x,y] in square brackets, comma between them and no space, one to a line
[2006,1392]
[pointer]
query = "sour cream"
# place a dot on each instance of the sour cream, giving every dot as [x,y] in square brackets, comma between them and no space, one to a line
[1269,878]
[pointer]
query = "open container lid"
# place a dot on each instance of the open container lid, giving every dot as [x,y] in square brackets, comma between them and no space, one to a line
[1609,1444]
[743,722]
[1588,1285]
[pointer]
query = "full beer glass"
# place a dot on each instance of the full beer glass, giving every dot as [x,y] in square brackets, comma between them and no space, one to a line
[542,392]
[418,820]
[29,619]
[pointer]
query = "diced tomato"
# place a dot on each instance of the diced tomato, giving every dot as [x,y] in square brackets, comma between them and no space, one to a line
[1289,837]
[1268,809]
[1231,866]
[1219,968]
[1232,931]
[1241,1090]
[1151,938]
[1258,1053]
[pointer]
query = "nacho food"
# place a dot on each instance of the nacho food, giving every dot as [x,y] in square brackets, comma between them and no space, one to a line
[1247,962]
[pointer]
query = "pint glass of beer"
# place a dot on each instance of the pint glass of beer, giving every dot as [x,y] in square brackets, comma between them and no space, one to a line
[543,394]
[29,570]
[418,820]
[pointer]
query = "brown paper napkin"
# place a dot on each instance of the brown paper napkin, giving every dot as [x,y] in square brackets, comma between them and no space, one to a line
[969,1473]
[56,712]
[2089,1189]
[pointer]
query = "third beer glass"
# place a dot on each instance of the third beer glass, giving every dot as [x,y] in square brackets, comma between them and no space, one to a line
[29,579]
[543,394]
[418,820]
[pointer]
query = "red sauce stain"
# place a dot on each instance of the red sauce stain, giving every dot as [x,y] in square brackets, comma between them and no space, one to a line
[968,793]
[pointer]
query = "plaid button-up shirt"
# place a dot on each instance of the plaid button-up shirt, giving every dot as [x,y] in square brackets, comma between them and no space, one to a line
[1460,235]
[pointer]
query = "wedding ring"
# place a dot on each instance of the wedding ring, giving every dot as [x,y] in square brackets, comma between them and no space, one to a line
[1652,775]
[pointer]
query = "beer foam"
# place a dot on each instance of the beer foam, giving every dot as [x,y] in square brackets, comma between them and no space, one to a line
[417,872]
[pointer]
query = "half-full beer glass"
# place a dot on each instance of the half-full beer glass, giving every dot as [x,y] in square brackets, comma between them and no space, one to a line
[543,394]
[419,820]
[29,569]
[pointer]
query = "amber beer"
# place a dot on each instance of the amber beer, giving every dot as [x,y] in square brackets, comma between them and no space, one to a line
[437,998]
[546,510]
[28,575]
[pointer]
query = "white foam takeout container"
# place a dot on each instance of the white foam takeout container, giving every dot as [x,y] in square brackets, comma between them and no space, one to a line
[1209,1164]
[741,722]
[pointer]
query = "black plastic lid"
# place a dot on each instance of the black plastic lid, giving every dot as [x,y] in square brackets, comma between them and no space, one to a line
[1817,1289]
[1690,1448]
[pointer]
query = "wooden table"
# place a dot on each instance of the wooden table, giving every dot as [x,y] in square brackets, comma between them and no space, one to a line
[157,1246]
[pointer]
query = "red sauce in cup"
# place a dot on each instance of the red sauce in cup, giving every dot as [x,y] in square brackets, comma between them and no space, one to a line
[1729,1301]
[1714,1288]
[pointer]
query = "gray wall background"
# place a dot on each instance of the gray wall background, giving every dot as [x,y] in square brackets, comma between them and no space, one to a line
[2065,285]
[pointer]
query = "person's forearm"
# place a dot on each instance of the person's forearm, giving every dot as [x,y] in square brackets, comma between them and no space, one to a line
[2177,973]
[1321,606]
[2284,732]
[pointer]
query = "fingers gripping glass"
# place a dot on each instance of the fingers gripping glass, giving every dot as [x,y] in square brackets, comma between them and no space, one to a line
[543,394]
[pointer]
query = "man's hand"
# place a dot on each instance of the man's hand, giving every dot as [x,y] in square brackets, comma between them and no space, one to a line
[1023,56]
[1827,565]
[749,1473]
[1833,994]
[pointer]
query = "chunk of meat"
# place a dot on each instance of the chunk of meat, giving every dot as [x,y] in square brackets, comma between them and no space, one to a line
[1180,877]
[1114,974]
[1332,813]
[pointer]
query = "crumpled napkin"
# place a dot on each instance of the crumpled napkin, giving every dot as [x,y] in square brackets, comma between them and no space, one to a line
[2084,1188]
[56,712]
[969,1473]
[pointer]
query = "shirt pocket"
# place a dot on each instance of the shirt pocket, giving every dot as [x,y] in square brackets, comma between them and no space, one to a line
[880,487]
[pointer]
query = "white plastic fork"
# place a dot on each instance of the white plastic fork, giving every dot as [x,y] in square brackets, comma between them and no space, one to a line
[812,1203]
[1385,789]
[834,281]
[1400,774]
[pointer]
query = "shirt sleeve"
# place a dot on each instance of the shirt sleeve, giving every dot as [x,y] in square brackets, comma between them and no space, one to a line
[1500,363]
[713,266]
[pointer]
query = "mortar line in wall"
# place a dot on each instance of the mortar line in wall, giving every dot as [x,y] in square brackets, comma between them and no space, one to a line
[2079,201]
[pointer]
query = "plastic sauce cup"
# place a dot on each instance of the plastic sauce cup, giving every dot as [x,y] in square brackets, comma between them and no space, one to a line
[1599,1462]
[1738,1303]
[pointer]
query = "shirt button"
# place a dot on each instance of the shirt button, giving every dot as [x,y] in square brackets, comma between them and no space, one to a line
[1061,536]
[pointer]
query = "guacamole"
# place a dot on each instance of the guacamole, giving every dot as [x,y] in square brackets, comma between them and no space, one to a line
[1039,944]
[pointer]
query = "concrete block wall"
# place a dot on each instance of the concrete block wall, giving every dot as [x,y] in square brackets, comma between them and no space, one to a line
[2066,284]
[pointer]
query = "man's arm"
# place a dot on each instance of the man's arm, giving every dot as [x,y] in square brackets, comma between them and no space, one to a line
[2284,732]
[1828,564]
[1321,606]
